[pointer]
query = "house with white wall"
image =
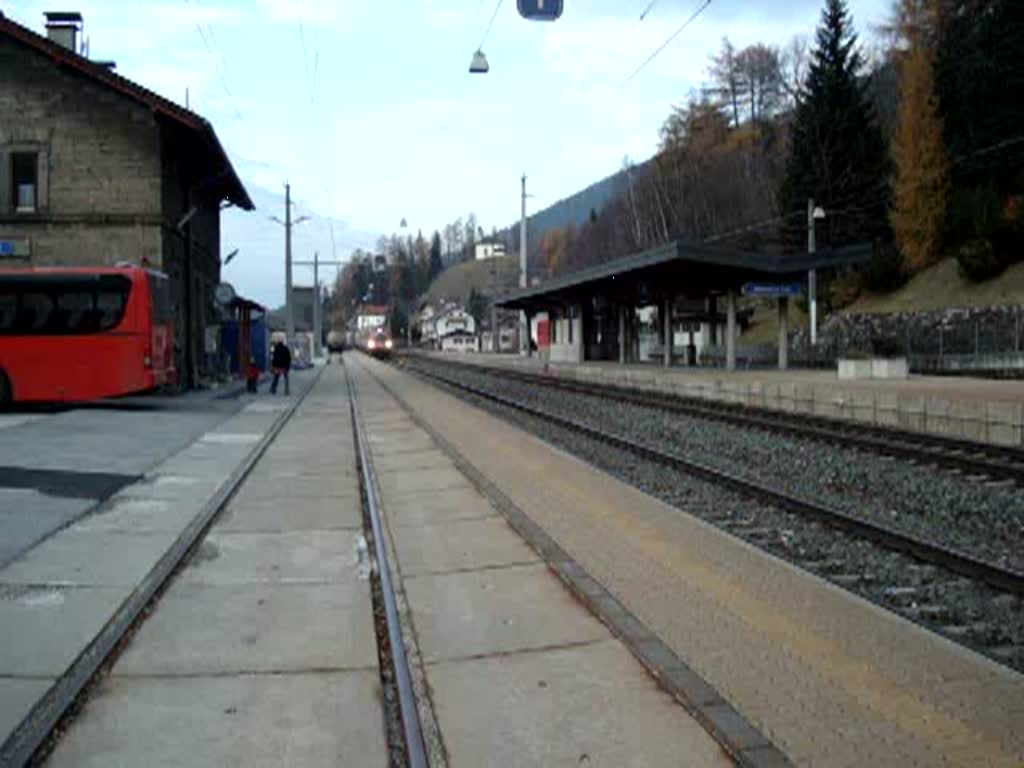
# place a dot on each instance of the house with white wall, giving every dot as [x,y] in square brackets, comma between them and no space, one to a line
[489,248]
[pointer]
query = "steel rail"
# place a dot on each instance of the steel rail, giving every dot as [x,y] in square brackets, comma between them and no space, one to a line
[1004,579]
[1000,463]
[415,748]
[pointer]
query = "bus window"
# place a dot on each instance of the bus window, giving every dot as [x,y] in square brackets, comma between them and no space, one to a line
[160,298]
[8,309]
[34,313]
[73,311]
[110,305]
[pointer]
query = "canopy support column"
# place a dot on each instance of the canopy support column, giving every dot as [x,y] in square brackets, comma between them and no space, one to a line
[730,330]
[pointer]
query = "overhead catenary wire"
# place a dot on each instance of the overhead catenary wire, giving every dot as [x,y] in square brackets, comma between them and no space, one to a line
[664,45]
[213,50]
[305,63]
[753,227]
[466,76]
[647,9]
[490,24]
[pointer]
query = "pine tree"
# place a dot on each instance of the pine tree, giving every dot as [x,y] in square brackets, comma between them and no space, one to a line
[979,75]
[837,154]
[436,263]
[922,165]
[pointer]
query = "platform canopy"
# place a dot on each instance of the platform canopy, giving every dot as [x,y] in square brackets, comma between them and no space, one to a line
[678,269]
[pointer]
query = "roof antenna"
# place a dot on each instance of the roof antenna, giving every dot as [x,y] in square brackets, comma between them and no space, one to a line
[186,98]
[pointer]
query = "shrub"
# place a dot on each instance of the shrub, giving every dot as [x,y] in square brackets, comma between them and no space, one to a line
[978,260]
[884,272]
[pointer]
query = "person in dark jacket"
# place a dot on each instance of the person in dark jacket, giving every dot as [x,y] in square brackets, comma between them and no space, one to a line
[281,362]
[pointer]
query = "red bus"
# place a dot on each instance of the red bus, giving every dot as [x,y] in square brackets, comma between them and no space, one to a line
[79,334]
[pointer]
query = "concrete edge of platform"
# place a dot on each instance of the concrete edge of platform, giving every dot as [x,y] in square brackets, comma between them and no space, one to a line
[733,732]
[32,733]
[993,422]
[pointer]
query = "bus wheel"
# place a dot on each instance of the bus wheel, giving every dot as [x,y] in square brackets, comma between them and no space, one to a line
[6,391]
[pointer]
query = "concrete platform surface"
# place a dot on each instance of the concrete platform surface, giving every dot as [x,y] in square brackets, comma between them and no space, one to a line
[59,595]
[586,705]
[262,651]
[828,677]
[243,721]
[512,670]
[985,410]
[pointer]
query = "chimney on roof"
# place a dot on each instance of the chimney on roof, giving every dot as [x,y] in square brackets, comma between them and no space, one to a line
[63,28]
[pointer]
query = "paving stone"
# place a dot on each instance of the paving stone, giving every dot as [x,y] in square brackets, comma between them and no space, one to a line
[204,629]
[437,507]
[590,705]
[474,613]
[460,545]
[246,720]
[17,698]
[43,629]
[290,556]
[254,513]
[89,558]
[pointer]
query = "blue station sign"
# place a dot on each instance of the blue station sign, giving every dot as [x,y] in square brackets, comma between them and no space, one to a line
[15,249]
[540,10]
[772,290]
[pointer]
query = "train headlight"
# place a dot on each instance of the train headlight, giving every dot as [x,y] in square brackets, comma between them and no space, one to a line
[371,344]
[388,344]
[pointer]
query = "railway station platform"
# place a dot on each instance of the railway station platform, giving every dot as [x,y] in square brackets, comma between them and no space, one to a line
[513,670]
[827,677]
[550,613]
[66,601]
[984,410]
[260,647]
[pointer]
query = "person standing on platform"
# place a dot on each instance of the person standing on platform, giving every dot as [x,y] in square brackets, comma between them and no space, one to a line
[281,362]
[252,376]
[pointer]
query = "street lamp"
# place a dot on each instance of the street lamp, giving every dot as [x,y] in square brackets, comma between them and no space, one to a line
[478,65]
[814,213]
[404,225]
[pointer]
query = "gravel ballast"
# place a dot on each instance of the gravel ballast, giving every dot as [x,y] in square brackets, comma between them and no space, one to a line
[916,499]
[981,518]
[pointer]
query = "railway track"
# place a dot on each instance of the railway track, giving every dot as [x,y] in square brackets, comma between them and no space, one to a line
[966,457]
[399,675]
[930,583]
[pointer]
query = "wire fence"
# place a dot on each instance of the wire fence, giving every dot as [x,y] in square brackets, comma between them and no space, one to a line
[988,342]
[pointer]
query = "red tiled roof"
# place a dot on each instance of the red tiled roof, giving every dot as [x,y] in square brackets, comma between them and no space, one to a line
[60,55]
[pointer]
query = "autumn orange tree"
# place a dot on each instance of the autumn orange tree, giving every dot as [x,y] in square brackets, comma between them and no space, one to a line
[921,187]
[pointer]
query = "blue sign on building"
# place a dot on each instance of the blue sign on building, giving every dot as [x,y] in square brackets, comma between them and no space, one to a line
[540,10]
[15,249]
[772,289]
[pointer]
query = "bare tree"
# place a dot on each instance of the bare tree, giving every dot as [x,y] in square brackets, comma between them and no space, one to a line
[761,76]
[793,67]
[728,79]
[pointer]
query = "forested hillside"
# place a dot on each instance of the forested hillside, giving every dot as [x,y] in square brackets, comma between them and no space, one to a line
[917,150]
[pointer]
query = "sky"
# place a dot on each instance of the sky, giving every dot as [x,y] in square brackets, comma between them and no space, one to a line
[368,110]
